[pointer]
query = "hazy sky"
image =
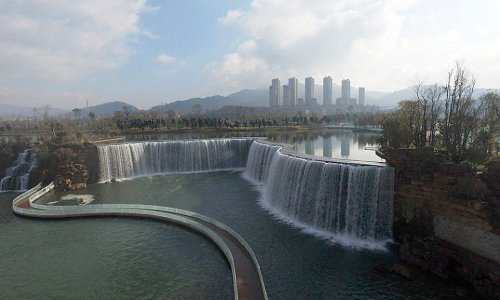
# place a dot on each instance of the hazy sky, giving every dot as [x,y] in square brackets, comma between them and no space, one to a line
[64,52]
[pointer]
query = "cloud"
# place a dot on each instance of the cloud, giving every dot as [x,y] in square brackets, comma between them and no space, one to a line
[383,45]
[61,40]
[231,17]
[166,59]
[238,68]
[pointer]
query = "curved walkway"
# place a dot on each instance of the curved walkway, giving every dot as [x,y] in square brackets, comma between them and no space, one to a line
[247,277]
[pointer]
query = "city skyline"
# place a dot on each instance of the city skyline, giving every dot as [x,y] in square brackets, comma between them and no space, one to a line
[291,92]
[147,52]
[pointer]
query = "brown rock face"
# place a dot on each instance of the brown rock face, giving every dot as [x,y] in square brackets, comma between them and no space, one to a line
[446,218]
[71,177]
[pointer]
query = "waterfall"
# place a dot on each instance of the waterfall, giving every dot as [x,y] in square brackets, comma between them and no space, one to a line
[351,204]
[259,160]
[128,160]
[17,177]
[347,203]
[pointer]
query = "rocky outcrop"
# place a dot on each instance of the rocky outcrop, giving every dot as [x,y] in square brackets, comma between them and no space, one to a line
[71,177]
[92,162]
[445,218]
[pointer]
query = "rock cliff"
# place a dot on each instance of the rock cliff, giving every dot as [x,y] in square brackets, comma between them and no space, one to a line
[446,217]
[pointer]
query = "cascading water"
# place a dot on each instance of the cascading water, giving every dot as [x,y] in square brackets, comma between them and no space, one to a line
[259,160]
[347,203]
[17,177]
[162,157]
[351,204]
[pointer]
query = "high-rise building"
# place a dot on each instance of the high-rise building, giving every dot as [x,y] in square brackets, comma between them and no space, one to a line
[327,91]
[272,97]
[309,145]
[275,93]
[345,145]
[361,98]
[346,91]
[286,95]
[309,90]
[293,85]
[327,146]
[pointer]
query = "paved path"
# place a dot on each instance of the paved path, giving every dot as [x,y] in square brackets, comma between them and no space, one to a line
[247,277]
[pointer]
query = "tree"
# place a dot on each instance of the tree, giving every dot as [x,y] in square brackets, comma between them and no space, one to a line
[447,117]
[430,101]
[77,112]
[460,113]
[197,109]
[399,126]
[126,111]
[486,137]
[171,116]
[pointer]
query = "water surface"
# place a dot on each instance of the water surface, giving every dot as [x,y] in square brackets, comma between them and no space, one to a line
[107,258]
[295,265]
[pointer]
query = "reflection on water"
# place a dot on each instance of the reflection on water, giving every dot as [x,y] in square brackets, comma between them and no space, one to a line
[333,143]
[337,143]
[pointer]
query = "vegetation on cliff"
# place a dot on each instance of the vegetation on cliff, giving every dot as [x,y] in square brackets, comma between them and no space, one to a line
[447,117]
[58,160]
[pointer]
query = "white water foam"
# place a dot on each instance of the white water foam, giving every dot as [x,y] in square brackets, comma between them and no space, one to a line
[72,198]
[345,204]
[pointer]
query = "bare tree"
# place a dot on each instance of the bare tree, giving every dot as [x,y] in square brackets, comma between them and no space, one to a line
[460,113]
[430,102]
[77,112]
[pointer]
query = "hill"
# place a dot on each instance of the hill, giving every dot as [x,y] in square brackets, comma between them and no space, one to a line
[242,98]
[109,108]
[392,99]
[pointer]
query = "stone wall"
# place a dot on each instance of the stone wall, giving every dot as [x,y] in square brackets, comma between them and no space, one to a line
[446,218]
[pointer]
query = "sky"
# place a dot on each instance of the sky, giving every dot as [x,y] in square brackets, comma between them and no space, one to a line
[63,53]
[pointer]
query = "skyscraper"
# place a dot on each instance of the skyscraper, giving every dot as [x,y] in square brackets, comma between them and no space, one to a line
[286,95]
[327,91]
[327,146]
[272,96]
[361,98]
[346,91]
[309,145]
[309,90]
[275,92]
[293,85]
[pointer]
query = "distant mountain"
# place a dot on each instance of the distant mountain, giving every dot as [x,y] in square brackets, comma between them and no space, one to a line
[255,98]
[12,111]
[242,98]
[184,106]
[259,97]
[392,99]
[109,108]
